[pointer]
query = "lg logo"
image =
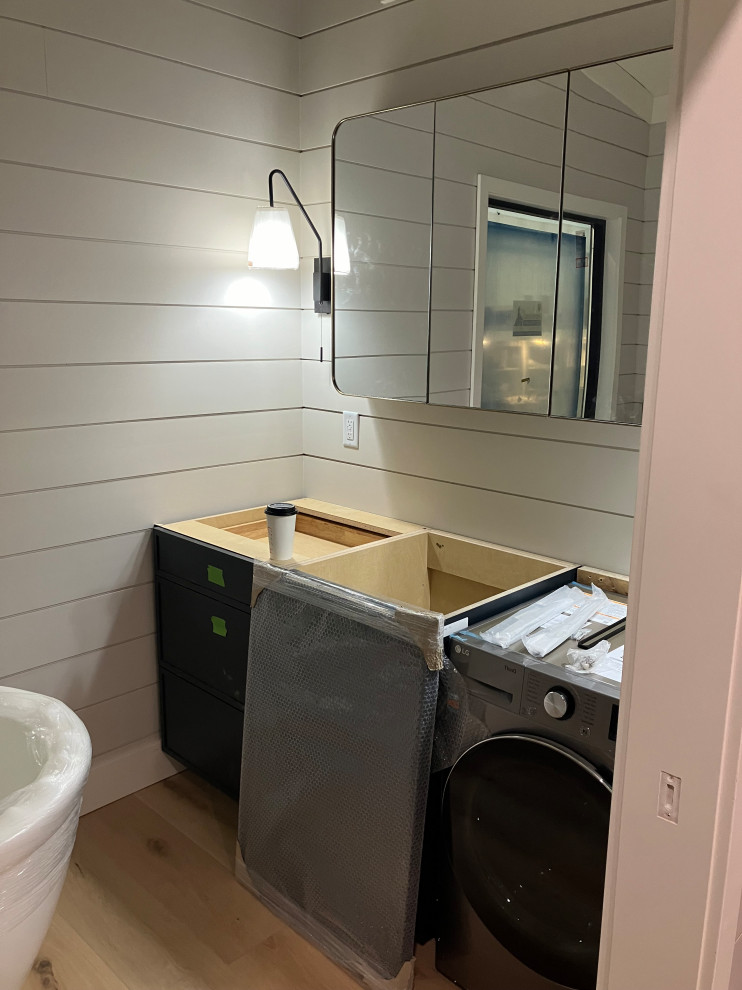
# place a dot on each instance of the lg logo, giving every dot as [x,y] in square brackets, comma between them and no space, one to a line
[460,649]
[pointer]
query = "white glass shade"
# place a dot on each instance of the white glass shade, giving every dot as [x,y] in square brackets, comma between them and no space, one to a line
[272,242]
[341,255]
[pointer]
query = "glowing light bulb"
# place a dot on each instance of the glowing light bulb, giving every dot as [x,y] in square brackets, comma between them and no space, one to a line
[272,242]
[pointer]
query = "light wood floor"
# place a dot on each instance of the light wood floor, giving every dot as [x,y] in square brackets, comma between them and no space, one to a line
[150,903]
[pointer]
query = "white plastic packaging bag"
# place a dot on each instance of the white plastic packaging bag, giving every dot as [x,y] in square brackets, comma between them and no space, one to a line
[582,660]
[543,641]
[533,616]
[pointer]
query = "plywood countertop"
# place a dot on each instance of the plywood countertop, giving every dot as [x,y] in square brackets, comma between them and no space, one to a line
[322,529]
[327,533]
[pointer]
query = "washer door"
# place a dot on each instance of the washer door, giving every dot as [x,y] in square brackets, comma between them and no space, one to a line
[526,826]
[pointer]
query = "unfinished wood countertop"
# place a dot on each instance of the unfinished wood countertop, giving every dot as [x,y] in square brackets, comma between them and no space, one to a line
[322,529]
[326,535]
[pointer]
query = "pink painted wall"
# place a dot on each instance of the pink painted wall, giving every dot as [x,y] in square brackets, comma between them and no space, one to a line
[674,890]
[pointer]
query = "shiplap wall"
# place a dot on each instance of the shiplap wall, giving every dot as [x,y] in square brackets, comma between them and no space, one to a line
[384,193]
[144,377]
[615,156]
[136,142]
[566,489]
[634,365]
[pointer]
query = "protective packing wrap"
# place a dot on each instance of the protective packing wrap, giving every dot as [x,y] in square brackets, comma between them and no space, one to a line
[340,712]
[525,620]
[586,659]
[456,727]
[45,758]
[28,883]
[543,641]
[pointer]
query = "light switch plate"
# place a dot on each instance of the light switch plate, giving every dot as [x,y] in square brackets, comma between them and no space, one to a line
[350,429]
[669,800]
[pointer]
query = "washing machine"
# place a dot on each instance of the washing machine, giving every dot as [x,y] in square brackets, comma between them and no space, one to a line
[525,822]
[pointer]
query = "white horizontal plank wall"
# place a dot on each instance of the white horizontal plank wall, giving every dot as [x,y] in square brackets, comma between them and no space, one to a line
[643,279]
[323,14]
[144,375]
[383,192]
[475,472]
[613,155]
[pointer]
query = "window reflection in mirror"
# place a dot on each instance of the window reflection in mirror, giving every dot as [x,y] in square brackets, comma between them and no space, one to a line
[503,146]
[517,318]
[540,282]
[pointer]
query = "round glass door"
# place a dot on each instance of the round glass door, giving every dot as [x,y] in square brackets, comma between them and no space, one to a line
[526,825]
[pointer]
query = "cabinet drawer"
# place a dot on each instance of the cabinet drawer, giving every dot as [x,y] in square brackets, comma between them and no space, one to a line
[202,732]
[209,567]
[204,637]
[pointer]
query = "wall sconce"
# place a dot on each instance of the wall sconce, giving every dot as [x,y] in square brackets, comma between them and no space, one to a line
[273,244]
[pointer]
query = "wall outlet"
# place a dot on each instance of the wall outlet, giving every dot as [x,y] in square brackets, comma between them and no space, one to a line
[350,429]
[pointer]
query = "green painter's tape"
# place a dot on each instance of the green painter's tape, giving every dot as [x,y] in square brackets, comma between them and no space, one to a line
[216,575]
[218,626]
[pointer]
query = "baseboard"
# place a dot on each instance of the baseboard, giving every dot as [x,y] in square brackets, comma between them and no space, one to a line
[122,771]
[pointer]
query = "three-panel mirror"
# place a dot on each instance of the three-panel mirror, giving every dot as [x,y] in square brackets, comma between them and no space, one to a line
[496,250]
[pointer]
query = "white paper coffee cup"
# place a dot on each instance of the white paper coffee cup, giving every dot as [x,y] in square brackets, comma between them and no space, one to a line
[281,520]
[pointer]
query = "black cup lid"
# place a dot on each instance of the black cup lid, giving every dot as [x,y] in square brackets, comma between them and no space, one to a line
[280,509]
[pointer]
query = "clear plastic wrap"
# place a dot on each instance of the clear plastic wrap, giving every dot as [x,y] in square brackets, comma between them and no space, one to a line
[518,625]
[543,641]
[600,661]
[44,762]
[456,728]
[582,660]
[340,711]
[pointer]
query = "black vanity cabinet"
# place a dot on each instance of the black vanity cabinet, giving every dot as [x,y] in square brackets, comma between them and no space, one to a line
[203,630]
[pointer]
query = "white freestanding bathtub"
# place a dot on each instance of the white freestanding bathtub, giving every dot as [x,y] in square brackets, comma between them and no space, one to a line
[44,763]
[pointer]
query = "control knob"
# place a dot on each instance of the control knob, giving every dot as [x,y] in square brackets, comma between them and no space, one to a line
[558,704]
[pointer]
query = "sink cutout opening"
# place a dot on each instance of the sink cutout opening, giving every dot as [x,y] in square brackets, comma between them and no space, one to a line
[452,593]
[323,529]
[433,570]
[315,536]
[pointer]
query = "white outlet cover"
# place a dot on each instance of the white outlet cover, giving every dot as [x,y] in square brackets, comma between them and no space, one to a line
[350,429]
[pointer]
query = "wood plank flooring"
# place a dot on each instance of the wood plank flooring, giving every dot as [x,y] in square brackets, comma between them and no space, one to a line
[150,903]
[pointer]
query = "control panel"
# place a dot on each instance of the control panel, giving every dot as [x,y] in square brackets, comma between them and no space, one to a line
[548,697]
[553,701]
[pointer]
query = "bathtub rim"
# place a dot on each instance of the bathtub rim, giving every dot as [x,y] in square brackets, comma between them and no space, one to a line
[31,815]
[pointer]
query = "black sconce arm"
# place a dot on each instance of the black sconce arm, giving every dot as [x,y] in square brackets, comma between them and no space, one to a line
[322,278]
